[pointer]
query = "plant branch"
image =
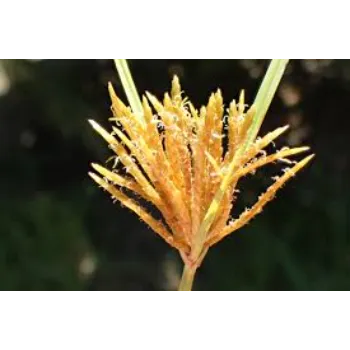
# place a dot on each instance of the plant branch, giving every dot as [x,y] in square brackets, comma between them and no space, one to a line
[264,97]
[187,278]
[129,86]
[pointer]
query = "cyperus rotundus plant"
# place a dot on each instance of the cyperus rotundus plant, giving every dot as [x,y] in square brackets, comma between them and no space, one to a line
[174,156]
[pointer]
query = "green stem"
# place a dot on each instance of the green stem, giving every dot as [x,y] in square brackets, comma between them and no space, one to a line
[129,86]
[264,97]
[187,278]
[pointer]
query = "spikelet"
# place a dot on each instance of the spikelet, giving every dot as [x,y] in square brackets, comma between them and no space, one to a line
[174,158]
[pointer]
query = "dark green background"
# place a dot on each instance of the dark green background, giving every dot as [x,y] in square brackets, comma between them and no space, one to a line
[58,231]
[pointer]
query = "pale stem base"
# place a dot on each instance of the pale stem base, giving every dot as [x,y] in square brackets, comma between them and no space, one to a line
[187,278]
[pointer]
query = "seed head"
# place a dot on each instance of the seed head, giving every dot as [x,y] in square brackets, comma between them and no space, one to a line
[173,156]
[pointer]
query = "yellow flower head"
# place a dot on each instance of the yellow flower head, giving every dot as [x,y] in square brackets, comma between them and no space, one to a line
[174,157]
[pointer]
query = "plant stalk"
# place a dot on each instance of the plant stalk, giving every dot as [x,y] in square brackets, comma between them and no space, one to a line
[187,278]
[129,86]
[265,96]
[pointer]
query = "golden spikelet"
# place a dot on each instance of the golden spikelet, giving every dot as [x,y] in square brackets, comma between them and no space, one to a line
[174,158]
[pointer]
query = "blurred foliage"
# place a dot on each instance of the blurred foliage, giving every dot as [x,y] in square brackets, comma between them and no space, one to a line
[58,231]
[42,240]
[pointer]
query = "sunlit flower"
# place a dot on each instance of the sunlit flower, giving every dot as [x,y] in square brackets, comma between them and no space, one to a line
[188,164]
